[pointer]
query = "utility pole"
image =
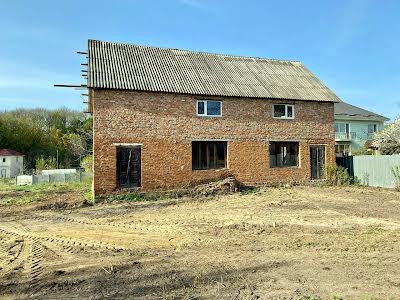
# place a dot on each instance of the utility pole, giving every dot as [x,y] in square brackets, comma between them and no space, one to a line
[57,159]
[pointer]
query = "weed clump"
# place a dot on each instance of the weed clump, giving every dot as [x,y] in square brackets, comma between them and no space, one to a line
[128,197]
[396,174]
[89,198]
[249,190]
[338,175]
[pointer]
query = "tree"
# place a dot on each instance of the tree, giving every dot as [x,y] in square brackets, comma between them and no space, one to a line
[45,164]
[45,133]
[388,140]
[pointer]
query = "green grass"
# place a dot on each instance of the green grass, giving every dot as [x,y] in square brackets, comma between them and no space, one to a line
[249,191]
[10,194]
[128,197]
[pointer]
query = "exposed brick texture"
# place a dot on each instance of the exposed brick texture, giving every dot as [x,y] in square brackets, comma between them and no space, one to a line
[166,124]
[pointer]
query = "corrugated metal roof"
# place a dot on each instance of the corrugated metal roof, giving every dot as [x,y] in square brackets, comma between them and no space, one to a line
[345,111]
[144,68]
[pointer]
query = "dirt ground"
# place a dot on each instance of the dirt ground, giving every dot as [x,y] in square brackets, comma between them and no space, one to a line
[277,243]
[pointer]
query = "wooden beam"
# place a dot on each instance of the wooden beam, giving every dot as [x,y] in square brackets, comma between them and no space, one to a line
[71,85]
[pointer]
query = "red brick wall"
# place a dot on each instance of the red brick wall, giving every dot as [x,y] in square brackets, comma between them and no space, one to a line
[166,124]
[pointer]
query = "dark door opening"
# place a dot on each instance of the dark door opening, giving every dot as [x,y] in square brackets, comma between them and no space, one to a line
[128,167]
[317,161]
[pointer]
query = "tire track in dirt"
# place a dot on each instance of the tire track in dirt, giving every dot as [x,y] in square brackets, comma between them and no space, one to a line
[65,241]
[11,253]
[36,262]
[16,262]
[150,227]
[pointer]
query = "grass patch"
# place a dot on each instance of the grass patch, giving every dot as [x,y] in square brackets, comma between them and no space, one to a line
[249,190]
[24,199]
[374,230]
[128,197]
[11,194]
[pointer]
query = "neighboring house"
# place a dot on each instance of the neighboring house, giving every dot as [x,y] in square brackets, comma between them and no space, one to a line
[165,118]
[355,128]
[11,163]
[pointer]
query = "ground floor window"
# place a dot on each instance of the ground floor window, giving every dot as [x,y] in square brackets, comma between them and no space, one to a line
[284,154]
[208,155]
[342,149]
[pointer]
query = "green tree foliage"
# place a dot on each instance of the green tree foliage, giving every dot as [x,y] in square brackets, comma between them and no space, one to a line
[45,164]
[87,163]
[40,164]
[41,133]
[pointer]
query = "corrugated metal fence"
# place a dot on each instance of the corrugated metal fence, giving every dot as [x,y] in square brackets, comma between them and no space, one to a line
[52,178]
[373,170]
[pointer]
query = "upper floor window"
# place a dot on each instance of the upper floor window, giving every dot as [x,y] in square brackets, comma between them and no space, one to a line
[371,128]
[4,160]
[209,108]
[342,127]
[283,111]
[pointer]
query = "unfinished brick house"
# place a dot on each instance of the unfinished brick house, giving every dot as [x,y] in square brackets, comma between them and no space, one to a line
[166,118]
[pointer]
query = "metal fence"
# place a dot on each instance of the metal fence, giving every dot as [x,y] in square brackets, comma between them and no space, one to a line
[52,178]
[373,170]
[346,162]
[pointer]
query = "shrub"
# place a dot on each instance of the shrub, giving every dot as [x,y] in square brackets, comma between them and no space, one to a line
[87,163]
[338,175]
[45,164]
[342,176]
[330,173]
[40,164]
[89,198]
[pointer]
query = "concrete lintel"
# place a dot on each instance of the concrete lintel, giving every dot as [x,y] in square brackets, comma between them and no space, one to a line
[127,144]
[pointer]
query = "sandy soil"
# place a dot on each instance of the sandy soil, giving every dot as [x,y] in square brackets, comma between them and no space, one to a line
[278,243]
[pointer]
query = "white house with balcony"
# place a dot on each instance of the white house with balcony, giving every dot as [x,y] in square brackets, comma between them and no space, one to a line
[11,163]
[355,128]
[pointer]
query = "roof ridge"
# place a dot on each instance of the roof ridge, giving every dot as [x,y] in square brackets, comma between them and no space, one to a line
[201,52]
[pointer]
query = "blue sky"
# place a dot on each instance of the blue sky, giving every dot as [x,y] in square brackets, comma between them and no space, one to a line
[353,46]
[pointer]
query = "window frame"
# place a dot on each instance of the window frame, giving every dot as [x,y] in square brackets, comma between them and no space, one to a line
[284,167]
[208,168]
[345,147]
[285,117]
[374,128]
[346,127]
[205,108]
